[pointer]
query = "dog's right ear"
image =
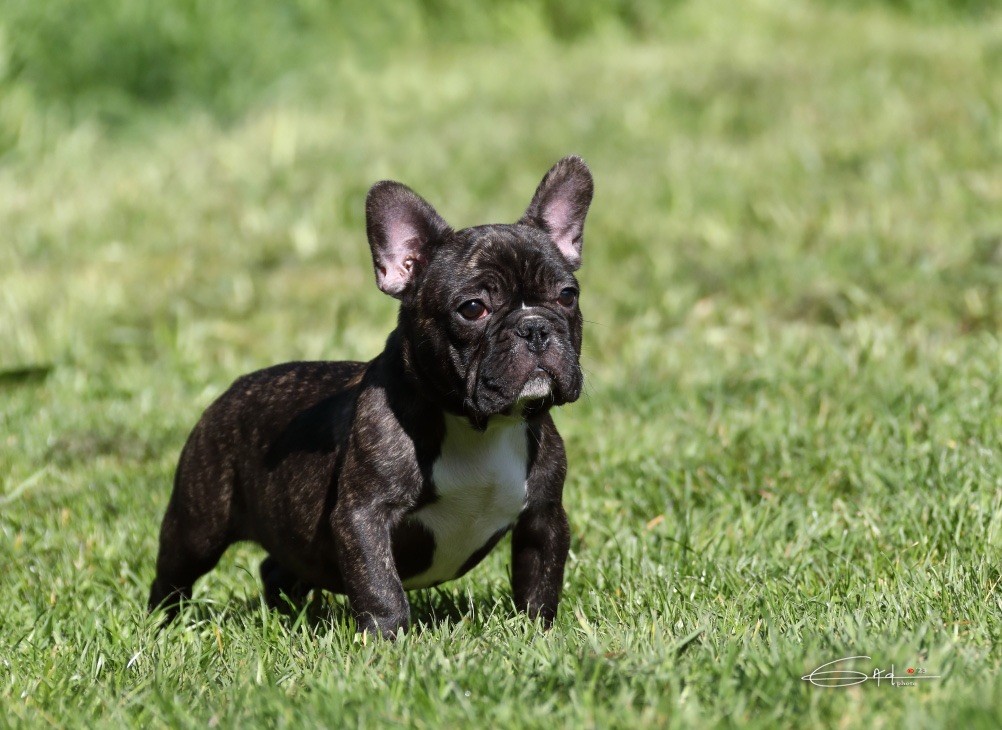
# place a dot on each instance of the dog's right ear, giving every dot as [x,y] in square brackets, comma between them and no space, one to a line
[402,227]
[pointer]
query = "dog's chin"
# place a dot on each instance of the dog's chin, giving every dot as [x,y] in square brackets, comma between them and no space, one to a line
[537,396]
[538,387]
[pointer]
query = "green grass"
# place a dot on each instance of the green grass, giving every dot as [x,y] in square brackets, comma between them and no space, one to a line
[790,447]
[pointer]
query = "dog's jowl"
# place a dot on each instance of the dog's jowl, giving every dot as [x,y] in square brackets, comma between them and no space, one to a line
[371,479]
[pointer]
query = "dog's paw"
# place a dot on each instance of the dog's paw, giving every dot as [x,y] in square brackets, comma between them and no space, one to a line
[385,626]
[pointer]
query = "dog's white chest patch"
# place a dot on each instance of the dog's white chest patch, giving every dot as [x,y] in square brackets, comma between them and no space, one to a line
[480,482]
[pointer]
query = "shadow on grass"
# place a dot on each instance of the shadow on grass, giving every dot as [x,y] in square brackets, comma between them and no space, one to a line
[321,611]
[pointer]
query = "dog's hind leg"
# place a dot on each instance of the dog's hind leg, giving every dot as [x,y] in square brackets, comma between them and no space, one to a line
[195,531]
[184,557]
[283,589]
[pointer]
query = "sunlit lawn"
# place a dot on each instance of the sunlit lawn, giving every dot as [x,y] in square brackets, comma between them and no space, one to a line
[788,452]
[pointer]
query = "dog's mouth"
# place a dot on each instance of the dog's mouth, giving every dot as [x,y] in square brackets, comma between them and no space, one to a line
[535,392]
[538,386]
[537,395]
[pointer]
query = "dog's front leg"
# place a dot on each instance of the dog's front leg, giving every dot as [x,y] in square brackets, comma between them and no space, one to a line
[370,576]
[542,535]
[539,549]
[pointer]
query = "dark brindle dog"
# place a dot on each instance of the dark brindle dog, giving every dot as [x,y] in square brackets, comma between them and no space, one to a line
[372,479]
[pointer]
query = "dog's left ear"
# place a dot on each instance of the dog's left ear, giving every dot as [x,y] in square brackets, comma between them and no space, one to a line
[560,205]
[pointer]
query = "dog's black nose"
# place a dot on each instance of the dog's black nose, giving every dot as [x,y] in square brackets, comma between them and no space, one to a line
[535,331]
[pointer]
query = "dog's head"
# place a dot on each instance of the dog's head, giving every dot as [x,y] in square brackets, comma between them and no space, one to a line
[489,315]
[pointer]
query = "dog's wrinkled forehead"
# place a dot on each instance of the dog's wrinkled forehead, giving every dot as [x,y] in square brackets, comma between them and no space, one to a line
[505,259]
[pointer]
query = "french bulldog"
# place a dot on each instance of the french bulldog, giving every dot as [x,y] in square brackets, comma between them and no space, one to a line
[374,478]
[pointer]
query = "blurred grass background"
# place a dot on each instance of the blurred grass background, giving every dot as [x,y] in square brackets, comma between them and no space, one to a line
[109,58]
[116,56]
[789,449]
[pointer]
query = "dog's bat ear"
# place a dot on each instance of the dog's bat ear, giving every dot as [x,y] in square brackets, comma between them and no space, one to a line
[560,205]
[402,227]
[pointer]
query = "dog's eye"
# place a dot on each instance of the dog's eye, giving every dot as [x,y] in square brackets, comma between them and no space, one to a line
[473,309]
[568,296]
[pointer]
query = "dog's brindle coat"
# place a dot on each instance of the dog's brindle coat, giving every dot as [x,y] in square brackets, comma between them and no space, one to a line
[370,479]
